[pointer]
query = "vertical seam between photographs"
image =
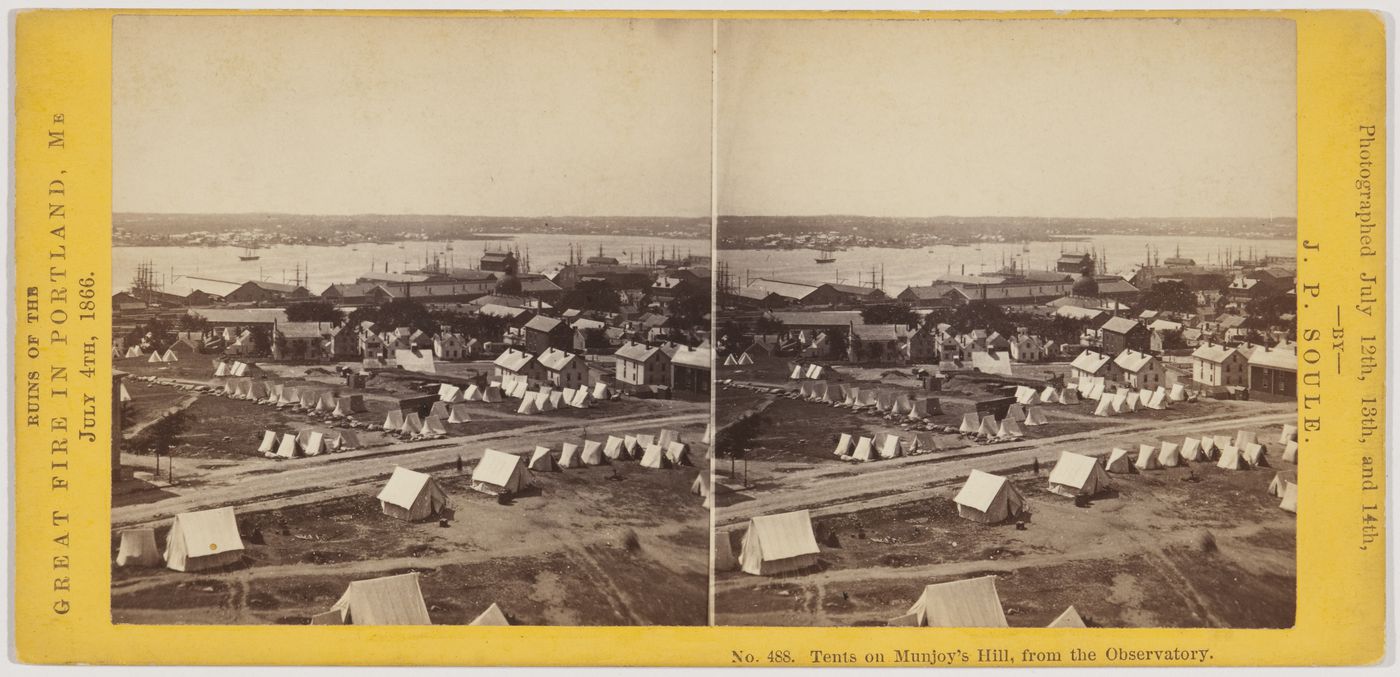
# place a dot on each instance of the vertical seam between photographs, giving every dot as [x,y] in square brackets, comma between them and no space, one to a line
[714,306]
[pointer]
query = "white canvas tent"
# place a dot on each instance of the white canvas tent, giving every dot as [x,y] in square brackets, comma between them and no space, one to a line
[969,603]
[1069,619]
[542,460]
[393,420]
[569,456]
[390,600]
[592,453]
[527,407]
[411,495]
[1290,498]
[1177,394]
[613,449]
[843,445]
[288,447]
[988,427]
[1191,450]
[207,539]
[1230,459]
[458,414]
[1070,395]
[491,616]
[1255,455]
[1010,428]
[1288,434]
[969,423]
[891,447]
[678,453]
[1078,475]
[1290,452]
[1119,461]
[499,473]
[1169,456]
[1147,458]
[1050,395]
[412,425]
[269,442]
[138,548]
[1034,417]
[988,498]
[433,426]
[865,449]
[777,544]
[655,458]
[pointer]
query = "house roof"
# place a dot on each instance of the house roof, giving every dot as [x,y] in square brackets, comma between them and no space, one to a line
[855,290]
[242,315]
[791,290]
[305,329]
[697,358]
[1120,325]
[497,310]
[637,352]
[819,318]
[1211,352]
[927,293]
[879,332]
[1090,361]
[279,287]
[1133,361]
[1276,358]
[513,360]
[544,324]
[556,360]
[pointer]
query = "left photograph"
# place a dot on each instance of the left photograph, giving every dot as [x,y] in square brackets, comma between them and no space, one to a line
[411,321]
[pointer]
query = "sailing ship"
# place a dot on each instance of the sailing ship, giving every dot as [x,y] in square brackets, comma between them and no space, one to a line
[826,257]
[248,255]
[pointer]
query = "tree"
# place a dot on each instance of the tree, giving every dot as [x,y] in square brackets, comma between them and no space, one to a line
[163,434]
[981,315]
[1171,296]
[691,310]
[767,324]
[316,310]
[595,295]
[480,327]
[888,313]
[1267,311]
[397,313]
[193,322]
[262,340]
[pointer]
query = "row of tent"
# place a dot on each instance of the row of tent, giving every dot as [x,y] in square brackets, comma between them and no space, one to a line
[209,539]
[1125,401]
[156,356]
[742,359]
[282,396]
[1010,427]
[519,387]
[410,425]
[810,372]
[1241,453]
[235,369]
[452,394]
[882,446]
[309,442]
[1026,395]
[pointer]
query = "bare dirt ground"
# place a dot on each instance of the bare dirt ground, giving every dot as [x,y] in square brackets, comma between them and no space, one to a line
[613,544]
[1132,559]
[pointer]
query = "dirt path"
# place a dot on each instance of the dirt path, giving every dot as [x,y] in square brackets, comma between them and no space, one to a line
[827,489]
[315,479]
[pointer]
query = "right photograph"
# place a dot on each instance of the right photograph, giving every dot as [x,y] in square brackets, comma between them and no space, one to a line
[1005,323]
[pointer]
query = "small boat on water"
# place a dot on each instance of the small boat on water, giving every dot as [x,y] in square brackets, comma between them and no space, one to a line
[248,255]
[826,257]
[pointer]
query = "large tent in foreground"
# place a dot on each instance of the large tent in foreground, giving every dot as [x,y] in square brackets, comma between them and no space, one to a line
[1069,619]
[207,539]
[777,544]
[499,473]
[391,600]
[491,616]
[411,495]
[969,603]
[988,498]
[1078,475]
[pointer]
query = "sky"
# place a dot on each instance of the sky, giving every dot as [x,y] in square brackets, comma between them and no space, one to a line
[1058,118]
[354,115]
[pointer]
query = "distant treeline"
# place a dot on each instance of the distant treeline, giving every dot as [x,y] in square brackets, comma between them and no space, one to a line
[372,227]
[967,228]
